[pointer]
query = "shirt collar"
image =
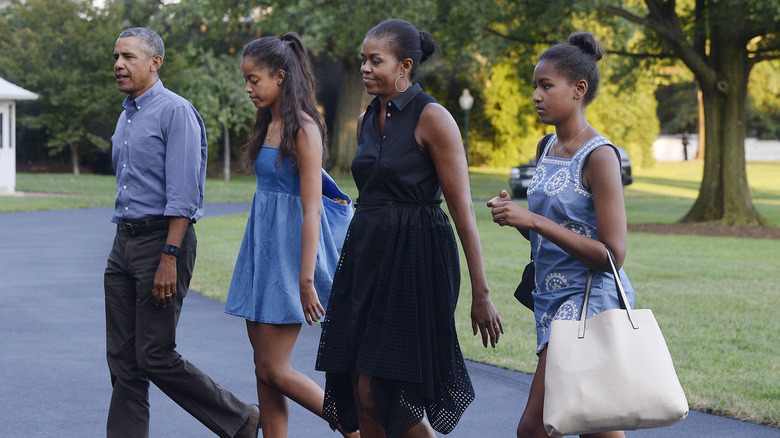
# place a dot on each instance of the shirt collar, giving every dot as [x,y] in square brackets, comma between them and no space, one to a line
[402,99]
[144,98]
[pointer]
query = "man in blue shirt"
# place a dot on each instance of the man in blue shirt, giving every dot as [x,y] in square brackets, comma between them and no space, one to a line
[159,155]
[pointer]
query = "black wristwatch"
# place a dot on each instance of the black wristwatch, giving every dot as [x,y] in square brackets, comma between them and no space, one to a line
[171,250]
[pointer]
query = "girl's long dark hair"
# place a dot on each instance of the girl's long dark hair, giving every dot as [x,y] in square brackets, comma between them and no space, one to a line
[284,53]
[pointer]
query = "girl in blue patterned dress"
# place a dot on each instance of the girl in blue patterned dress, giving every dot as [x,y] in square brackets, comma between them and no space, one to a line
[285,266]
[575,206]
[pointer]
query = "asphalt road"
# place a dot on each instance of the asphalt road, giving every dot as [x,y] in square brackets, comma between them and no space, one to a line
[54,381]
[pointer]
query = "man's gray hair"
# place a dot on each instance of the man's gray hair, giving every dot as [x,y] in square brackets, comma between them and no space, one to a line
[153,43]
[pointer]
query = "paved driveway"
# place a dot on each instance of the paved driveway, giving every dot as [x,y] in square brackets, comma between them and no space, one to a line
[54,381]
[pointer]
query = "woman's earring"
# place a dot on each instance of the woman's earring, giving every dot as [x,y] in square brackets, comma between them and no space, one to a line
[396,84]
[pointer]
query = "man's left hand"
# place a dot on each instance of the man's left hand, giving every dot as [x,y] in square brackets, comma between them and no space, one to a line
[164,289]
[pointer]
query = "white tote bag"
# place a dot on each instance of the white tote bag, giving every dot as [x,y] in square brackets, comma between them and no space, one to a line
[612,373]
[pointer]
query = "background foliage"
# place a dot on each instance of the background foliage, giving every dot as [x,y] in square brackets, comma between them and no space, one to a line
[62,50]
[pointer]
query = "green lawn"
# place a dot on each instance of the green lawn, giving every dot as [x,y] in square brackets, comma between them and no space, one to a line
[666,192]
[55,191]
[716,298]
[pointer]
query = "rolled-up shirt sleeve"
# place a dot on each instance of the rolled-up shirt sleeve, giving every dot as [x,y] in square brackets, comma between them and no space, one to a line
[183,163]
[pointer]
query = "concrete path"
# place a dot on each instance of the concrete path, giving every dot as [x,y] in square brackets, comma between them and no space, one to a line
[54,381]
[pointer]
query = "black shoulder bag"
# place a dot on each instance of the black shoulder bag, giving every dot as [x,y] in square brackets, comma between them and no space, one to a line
[527,285]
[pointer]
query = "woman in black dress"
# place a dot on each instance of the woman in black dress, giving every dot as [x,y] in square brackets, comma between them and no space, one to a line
[388,344]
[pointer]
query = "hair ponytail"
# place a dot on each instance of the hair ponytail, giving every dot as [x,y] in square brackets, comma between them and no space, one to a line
[294,42]
[285,53]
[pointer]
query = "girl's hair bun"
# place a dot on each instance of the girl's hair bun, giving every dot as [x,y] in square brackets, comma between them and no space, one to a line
[588,44]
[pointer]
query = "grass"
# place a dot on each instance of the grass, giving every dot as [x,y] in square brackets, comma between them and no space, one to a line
[715,298]
[60,191]
[664,194]
[219,239]
[50,191]
[56,191]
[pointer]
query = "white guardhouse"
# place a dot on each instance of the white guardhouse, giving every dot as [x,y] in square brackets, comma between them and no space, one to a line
[9,94]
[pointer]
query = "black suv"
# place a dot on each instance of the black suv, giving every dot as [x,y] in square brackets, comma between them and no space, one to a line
[520,176]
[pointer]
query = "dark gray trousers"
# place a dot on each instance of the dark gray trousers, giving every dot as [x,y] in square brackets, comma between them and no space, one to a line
[141,343]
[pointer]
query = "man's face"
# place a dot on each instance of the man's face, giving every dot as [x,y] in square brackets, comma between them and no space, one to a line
[134,69]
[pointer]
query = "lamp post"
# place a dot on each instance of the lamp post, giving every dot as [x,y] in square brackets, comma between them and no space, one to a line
[466,101]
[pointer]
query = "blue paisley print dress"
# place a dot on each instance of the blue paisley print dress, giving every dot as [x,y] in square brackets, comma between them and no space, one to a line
[556,192]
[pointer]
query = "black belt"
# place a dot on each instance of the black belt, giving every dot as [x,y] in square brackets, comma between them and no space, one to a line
[406,204]
[144,226]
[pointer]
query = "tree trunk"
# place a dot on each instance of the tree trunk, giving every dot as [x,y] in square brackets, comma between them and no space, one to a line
[700,150]
[74,157]
[226,161]
[722,75]
[724,196]
[343,142]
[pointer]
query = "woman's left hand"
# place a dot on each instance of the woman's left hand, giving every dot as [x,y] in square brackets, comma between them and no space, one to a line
[312,309]
[485,319]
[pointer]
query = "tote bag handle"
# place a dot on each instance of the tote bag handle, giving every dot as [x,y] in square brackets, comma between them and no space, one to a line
[621,296]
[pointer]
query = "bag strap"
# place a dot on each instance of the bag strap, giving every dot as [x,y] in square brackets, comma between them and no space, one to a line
[583,314]
[621,296]
[619,287]
[545,140]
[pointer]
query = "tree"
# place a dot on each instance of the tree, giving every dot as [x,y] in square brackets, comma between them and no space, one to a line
[720,41]
[514,129]
[215,88]
[625,110]
[764,101]
[336,29]
[515,33]
[62,50]
[203,40]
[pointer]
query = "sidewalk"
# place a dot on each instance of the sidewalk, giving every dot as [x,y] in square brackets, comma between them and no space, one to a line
[55,382]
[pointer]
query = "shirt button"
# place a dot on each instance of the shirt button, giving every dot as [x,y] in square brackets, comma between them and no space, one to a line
[124,165]
[125,142]
[126,209]
[388,114]
[384,137]
[129,121]
[124,187]
[389,103]
[138,107]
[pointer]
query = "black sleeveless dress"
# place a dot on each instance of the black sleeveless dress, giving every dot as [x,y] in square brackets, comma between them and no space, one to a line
[391,309]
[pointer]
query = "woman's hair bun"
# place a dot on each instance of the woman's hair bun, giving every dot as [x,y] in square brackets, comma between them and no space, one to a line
[427,45]
[588,44]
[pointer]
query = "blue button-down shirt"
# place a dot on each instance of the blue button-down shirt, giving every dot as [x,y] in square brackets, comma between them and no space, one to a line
[159,153]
